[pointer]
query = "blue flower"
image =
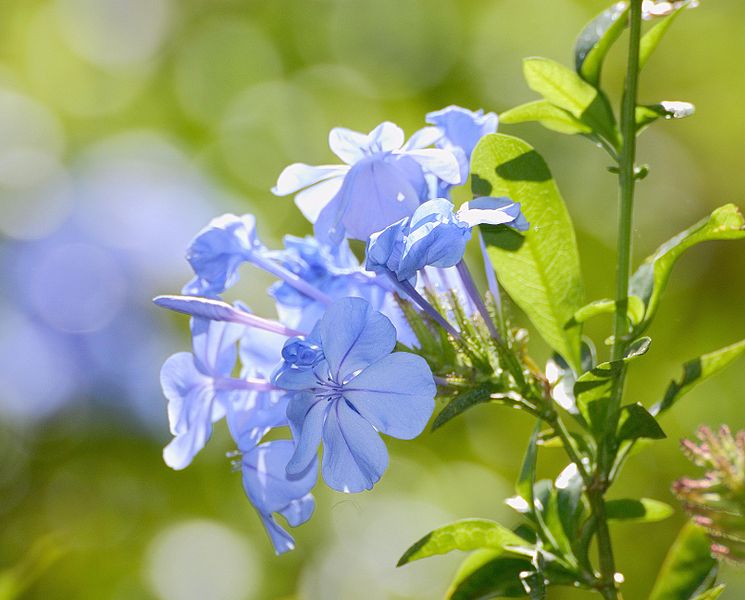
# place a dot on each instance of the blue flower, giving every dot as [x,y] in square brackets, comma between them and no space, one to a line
[384,180]
[462,129]
[347,387]
[190,383]
[271,490]
[218,250]
[436,236]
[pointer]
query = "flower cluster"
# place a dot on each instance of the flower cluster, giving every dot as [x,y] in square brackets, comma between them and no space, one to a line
[330,367]
[717,500]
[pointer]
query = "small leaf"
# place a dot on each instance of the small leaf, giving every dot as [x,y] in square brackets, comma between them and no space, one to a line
[653,37]
[488,574]
[467,534]
[668,110]
[650,279]
[526,479]
[593,391]
[696,370]
[638,348]
[461,403]
[687,567]
[539,270]
[644,510]
[636,422]
[550,116]
[565,89]
[711,594]
[608,306]
[596,39]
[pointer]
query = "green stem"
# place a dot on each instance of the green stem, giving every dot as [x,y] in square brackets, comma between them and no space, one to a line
[627,180]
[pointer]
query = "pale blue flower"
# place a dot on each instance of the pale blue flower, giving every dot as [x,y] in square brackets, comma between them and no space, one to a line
[271,490]
[383,180]
[218,250]
[462,129]
[347,387]
[436,235]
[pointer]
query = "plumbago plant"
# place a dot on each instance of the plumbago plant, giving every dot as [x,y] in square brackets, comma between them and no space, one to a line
[363,349]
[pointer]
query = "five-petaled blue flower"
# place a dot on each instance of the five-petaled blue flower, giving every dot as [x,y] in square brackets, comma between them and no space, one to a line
[347,387]
[383,180]
[436,235]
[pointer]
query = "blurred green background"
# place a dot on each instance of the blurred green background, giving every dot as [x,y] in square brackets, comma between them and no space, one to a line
[126,124]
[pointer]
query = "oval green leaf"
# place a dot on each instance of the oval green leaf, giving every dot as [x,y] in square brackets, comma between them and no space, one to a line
[467,534]
[539,270]
[548,115]
[596,39]
[644,510]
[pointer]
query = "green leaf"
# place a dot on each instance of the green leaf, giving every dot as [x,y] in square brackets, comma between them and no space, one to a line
[650,279]
[467,534]
[696,370]
[488,574]
[687,567]
[526,479]
[565,89]
[644,510]
[711,594]
[668,110]
[461,403]
[593,391]
[636,422]
[653,37]
[608,306]
[550,116]
[539,270]
[596,39]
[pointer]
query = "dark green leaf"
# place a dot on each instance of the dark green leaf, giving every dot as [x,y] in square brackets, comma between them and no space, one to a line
[592,393]
[644,510]
[650,279]
[526,479]
[461,403]
[488,574]
[539,270]
[467,534]
[563,88]
[653,37]
[696,370]
[569,488]
[596,39]
[687,567]
[548,115]
[648,114]
[636,422]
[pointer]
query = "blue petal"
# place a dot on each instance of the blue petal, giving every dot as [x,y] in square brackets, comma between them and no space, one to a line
[441,163]
[395,394]
[348,145]
[251,415]
[353,335]
[385,137]
[463,128]
[214,344]
[299,511]
[299,176]
[426,136]
[191,409]
[281,540]
[217,251]
[311,201]
[493,211]
[306,415]
[260,352]
[385,248]
[354,456]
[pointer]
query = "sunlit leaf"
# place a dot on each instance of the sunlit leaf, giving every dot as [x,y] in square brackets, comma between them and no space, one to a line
[607,306]
[636,422]
[697,370]
[650,279]
[711,594]
[565,89]
[653,37]
[548,115]
[540,269]
[488,574]
[596,39]
[463,402]
[687,567]
[593,391]
[467,534]
[644,510]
